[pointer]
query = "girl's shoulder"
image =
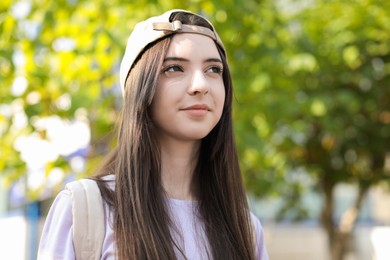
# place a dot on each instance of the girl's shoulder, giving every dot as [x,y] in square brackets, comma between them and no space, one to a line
[256,222]
[261,250]
[56,237]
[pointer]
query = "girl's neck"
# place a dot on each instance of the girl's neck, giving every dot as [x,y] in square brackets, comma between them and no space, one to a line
[178,160]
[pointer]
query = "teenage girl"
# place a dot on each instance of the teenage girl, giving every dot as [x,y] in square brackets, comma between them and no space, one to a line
[172,188]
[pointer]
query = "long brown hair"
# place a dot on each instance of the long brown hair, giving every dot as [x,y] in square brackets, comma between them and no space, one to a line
[141,220]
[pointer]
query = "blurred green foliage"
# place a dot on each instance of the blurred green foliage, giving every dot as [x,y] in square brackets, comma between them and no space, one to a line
[311,83]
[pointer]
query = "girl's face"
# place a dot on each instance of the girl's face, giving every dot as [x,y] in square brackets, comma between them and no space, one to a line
[190,93]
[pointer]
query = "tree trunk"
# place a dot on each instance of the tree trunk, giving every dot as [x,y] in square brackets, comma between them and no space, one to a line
[327,212]
[347,223]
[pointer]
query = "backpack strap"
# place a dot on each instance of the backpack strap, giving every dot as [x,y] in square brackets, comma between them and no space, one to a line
[88,219]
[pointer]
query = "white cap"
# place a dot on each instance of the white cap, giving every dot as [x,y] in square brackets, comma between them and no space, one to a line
[151,30]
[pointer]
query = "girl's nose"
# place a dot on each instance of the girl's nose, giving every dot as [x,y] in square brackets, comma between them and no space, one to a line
[199,84]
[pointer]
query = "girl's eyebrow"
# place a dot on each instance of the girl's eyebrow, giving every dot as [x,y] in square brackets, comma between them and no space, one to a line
[175,59]
[187,60]
[214,60]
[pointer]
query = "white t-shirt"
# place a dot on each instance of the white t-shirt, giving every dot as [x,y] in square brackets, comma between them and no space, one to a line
[56,239]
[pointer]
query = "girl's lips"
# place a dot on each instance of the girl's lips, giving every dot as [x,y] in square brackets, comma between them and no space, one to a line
[197,110]
[197,107]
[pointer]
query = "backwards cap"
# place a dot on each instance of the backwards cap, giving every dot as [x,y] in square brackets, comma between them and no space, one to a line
[155,28]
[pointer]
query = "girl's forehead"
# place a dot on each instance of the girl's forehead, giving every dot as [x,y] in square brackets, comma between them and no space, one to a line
[190,44]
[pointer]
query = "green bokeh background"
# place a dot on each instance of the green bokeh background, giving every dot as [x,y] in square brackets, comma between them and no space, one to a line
[312,87]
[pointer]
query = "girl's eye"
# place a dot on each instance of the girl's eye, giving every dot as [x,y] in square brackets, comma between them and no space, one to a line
[173,68]
[215,69]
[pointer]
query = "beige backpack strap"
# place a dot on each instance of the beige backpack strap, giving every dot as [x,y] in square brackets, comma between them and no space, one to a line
[88,219]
